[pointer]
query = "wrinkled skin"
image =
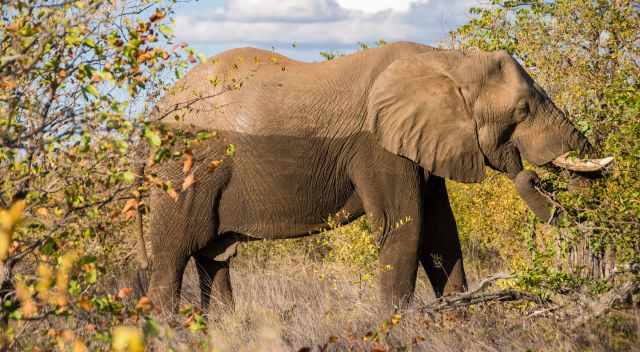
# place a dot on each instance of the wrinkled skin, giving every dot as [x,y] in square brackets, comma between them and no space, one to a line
[371,133]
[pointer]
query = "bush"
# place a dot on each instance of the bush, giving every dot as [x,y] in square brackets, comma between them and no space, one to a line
[77,78]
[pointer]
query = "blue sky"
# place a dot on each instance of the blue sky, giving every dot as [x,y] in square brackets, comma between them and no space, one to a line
[212,26]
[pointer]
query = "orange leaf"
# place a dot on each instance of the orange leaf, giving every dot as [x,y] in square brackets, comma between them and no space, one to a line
[131,214]
[188,182]
[12,27]
[173,194]
[43,212]
[131,204]
[124,292]
[188,162]
[157,16]
[85,304]
[8,84]
[144,304]
[214,165]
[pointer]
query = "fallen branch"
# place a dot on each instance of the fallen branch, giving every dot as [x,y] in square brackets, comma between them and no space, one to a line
[452,302]
[477,296]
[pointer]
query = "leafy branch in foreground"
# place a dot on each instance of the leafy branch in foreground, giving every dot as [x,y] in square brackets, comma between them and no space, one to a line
[77,82]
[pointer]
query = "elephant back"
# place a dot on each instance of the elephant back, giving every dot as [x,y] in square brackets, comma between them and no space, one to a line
[259,92]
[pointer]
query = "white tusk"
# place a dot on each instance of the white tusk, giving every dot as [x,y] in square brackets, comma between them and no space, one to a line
[581,165]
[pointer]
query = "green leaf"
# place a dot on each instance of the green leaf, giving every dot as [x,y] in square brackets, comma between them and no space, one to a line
[49,247]
[201,57]
[90,43]
[166,30]
[151,327]
[90,89]
[128,176]
[152,137]
[74,288]
[203,135]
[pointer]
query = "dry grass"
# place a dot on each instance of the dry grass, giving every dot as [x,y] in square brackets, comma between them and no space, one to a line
[286,304]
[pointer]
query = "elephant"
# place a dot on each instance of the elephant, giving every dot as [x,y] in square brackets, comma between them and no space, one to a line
[375,133]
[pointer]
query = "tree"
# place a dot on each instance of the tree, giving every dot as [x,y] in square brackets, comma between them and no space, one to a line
[77,79]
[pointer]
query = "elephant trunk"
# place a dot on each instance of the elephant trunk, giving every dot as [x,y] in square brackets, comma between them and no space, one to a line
[526,182]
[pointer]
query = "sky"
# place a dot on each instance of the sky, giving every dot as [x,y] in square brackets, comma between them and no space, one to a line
[212,26]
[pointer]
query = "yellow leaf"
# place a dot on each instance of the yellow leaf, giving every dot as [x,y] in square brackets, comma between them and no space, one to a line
[45,275]
[9,218]
[127,338]
[27,305]
[79,346]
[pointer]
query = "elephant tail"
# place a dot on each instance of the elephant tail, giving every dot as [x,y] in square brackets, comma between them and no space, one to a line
[142,153]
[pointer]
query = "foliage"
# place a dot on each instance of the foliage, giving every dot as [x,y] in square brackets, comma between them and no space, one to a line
[586,55]
[351,248]
[77,78]
[489,221]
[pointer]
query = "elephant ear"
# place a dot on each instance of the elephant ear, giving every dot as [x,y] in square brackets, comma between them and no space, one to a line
[417,110]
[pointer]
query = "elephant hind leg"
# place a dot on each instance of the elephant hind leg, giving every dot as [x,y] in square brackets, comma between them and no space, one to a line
[216,293]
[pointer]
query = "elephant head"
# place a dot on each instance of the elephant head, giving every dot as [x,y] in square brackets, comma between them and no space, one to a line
[455,113]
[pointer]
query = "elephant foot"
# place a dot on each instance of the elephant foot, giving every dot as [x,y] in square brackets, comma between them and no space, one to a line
[456,281]
[396,291]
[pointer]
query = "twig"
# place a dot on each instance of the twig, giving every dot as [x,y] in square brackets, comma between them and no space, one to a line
[545,311]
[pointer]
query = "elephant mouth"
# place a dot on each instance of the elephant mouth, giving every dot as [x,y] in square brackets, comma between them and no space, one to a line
[568,162]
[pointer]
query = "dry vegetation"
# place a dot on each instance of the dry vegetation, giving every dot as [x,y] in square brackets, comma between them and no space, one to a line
[75,77]
[289,298]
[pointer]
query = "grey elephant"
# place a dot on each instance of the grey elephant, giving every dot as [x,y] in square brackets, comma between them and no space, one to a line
[371,133]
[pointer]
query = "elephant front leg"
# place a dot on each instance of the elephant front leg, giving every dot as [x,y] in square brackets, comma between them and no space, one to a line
[389,188]
[441,255]
[399,264]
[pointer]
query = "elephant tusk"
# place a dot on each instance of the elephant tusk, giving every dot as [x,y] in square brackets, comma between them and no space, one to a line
[581,165]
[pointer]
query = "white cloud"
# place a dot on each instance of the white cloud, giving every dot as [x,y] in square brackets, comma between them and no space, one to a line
[378,5]
[322,23]
[282,10]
